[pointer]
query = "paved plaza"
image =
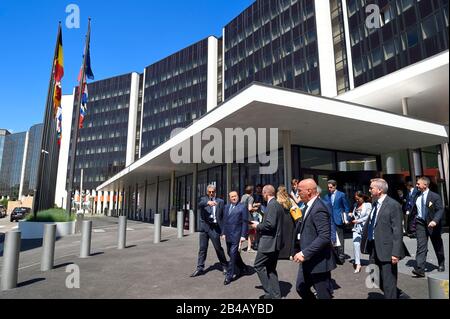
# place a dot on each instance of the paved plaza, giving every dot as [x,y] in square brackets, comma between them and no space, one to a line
[148,270]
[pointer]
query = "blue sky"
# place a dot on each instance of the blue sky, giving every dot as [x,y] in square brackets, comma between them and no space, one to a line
[126,36]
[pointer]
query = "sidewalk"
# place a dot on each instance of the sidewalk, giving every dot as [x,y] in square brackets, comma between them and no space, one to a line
[147,270]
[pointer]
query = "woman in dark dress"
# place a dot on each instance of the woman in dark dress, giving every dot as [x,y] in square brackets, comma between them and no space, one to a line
[288,222]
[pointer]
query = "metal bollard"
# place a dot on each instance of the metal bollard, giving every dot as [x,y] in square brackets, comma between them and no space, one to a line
[86,229]
[191,222]
[180,224]
[78,223]
[438,286]
[157,225]
[48,247]
[11,253]
[122,232]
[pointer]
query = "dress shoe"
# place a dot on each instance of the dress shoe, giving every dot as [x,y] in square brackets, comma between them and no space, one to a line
[357,269]
[196,273]
[441,268]
[418,273]
[227,281]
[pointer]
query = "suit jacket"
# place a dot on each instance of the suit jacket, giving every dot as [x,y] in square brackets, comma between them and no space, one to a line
[388,231]
[410,199]
[315,239]
[271,239]
[333,225]
[435,209]
[340,206]
[235,223]
[206,211]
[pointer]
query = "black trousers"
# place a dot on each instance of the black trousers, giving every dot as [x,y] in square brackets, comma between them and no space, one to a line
[340,249]
[236,261]
[321,283]
[387,274]
[422,234]
[265,266]
[212,234]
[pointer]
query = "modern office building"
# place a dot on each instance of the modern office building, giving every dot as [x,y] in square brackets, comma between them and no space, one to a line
[109,124]
[3,134]
[31,161]
[12,163]
[20,160]
[176,91]
[353,95]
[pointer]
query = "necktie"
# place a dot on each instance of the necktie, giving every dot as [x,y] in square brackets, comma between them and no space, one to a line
[372,221]
[332,198]
[424,208]
[231,208]
[213,212]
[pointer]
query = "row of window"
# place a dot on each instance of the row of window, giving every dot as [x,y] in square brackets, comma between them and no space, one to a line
[177,119]
[101,136]
[160,91]
[100,150]
[255,19]
[173,105]
[114,120]
[176,72]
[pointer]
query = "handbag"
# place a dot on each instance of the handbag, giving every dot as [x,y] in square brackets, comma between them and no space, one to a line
[296,213]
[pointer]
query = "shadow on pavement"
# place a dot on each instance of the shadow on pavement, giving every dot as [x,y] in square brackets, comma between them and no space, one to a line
[375,295]
[29,282]
[63,265]
[285,288]
[428,267]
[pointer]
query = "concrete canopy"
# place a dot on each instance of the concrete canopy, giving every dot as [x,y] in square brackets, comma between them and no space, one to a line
[312,120]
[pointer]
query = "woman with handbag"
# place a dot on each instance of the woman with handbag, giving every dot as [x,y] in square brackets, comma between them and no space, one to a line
[288,222]
[358,217]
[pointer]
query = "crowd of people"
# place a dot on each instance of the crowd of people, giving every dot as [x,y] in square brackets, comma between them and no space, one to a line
[299,225]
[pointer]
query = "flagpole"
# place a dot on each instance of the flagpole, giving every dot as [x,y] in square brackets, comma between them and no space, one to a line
[45,132]
[74,137]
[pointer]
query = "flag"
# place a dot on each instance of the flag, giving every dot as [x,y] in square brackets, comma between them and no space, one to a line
[83,106]
[85,72]
[58,73]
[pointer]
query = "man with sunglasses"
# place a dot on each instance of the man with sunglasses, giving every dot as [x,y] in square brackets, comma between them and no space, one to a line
[211,215]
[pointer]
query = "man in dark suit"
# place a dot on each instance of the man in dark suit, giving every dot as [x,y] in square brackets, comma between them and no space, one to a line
[270,244]
[428,211]
[383,237]
[341,208]
[409,218]
[211,214]
[315,247]
[235,231]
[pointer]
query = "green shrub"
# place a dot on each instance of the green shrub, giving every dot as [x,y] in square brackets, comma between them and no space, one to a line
[56,215]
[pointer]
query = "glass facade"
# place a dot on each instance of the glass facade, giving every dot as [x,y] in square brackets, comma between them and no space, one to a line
[12,164]
[3,134]
[273,42]
[410,32]
[340,51]
[32,159]
[102,142]
[175,94]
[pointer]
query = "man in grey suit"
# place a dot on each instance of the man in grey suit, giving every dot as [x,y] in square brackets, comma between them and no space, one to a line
[270,244]
[428,212]
[382,237]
